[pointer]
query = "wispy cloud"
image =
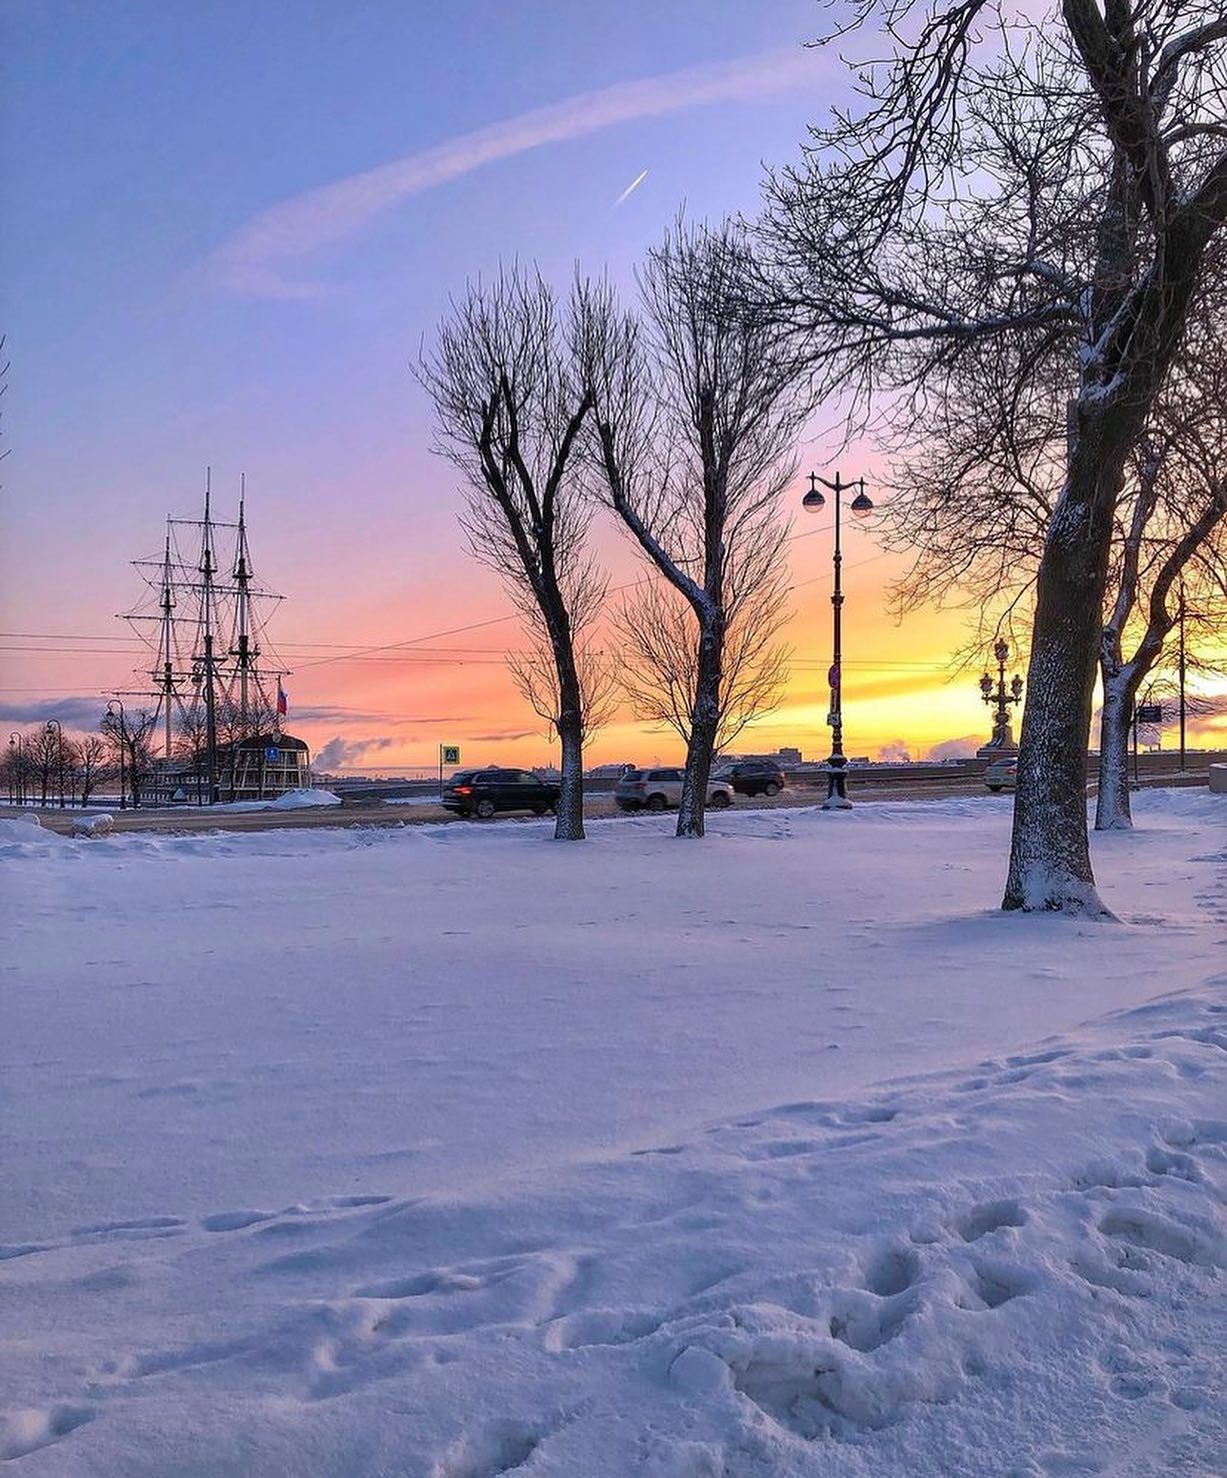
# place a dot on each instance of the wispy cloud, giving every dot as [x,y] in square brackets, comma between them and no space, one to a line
[83,712]
[255,259]
[330,713]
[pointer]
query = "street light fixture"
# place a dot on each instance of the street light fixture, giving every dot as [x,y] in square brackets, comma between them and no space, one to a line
[1000,698]
[123,744]
[813,501]
[53,726]
[17,774]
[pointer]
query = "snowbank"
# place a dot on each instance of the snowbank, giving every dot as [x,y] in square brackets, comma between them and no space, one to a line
[448,1152]
[292,800]
[93,825]
[26,836]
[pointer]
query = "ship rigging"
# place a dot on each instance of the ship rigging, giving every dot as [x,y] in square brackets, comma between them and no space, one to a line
[214,678]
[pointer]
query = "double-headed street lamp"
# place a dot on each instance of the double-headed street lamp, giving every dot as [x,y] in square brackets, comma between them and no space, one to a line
[837,765]
[123,742]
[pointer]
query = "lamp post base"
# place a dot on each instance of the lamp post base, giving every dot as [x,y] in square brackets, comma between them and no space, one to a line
[837,785]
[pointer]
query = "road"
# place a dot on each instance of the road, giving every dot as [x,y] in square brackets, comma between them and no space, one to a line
[184,819]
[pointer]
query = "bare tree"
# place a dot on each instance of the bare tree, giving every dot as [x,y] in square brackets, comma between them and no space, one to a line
[510,408]
[191,735]
[912,254]
[90,768]
[659,674]
[130,735]
[972,502]
[535,675]
[697,409]
[236,722]
[49,760]
[1171,553]
[18,767]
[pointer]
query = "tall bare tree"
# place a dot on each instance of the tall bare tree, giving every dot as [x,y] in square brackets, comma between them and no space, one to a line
[972,501]
[659,672]
[914,242]
[90,766]
[511,406]
[130,737]
[535,675]
[977,478]
[697,407]
[1171,549]
[49,757]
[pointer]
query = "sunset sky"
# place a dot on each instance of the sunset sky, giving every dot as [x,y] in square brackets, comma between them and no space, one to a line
[229,230]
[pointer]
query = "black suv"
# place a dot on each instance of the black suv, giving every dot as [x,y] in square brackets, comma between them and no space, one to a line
[755,777]
[483,792]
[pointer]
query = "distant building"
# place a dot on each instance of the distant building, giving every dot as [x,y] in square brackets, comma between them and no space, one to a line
[785,756]
[262,767]
[258,768]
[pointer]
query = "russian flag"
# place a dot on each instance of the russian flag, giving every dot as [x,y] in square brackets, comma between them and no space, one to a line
[282,704]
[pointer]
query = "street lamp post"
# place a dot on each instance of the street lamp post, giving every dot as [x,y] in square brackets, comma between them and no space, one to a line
[123,744]
[53,727]
[837,765]
[17,772]
[1000,698]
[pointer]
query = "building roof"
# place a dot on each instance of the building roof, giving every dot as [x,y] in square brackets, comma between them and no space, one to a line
[268,741]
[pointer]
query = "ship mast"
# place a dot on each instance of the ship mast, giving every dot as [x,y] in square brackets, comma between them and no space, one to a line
[244,651]
[208,569]
[217,668]
[167,683]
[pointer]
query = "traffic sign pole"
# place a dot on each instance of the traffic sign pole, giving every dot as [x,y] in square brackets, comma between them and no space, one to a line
[449,754]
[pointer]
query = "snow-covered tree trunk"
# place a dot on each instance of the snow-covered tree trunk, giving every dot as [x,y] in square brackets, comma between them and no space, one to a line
[704,723]
[1050,860]
[569,821]
[1112,803]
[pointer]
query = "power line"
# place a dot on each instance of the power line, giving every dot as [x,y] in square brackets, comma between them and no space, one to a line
[349,652]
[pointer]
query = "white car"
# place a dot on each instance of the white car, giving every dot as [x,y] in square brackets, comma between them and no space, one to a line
[1002,773]
[657,790]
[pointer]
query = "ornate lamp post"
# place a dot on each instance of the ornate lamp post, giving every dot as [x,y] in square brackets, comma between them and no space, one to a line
[123,744]
[53,727]
[999,697]
[17,772]
[837,765]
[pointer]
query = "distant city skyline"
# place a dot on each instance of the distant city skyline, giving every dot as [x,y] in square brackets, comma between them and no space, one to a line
[227,239]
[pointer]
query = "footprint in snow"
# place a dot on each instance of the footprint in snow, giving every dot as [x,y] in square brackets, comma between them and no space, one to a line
[1154,1233]
[892,1272]
[996,1283]
[501,1448]
[234,1221]
[26,1430]
[980,1221]
[137,1229]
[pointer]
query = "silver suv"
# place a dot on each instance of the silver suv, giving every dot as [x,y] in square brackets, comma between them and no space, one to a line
[1002,773]
[657,790]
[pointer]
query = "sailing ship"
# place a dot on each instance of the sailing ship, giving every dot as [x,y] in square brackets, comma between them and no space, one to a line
[215,699]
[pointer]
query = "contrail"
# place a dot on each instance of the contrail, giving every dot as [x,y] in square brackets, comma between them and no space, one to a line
[253,260]
[634,185]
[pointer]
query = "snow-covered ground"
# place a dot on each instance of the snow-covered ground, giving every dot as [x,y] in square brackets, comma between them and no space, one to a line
[450,1152]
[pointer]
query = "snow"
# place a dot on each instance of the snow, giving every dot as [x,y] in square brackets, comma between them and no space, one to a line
[291,800]
[448,1152]
[94,824]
